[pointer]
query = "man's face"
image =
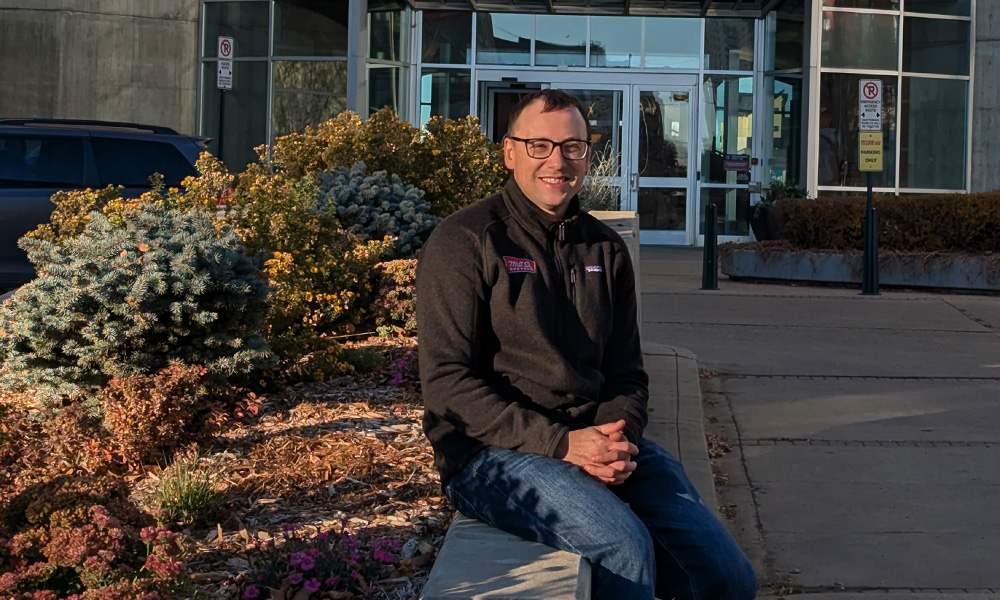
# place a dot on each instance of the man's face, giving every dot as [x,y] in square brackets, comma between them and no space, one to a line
[548,182]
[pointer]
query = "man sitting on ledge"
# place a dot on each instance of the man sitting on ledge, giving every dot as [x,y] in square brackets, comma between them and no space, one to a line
[534,390]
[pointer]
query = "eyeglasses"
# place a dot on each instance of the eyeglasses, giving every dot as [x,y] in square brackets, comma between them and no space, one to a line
[543,148]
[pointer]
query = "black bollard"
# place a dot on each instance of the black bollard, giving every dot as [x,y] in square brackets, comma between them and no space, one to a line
[710,259]
[869,263]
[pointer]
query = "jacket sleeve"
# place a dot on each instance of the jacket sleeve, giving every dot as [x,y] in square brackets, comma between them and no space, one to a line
[625,392]
[453,297]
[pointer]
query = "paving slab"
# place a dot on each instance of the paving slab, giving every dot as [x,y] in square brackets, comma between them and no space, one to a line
[889,560]
[867,409]
[984,309]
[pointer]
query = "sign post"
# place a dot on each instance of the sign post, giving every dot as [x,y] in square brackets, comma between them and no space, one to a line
[224,79]
[870,161]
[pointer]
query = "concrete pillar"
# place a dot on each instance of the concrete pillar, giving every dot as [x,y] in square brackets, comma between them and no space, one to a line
[986,98]
[100,59]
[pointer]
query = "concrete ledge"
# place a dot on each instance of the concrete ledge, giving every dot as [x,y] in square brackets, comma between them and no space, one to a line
[480,562]
[925,270]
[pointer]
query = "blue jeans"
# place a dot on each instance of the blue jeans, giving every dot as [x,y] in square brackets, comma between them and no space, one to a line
[649,535]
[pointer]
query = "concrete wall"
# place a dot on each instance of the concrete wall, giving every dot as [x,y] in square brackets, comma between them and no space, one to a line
[986,98]
[123,60]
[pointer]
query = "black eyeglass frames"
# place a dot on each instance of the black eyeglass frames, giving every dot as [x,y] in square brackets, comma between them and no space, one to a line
[543,148]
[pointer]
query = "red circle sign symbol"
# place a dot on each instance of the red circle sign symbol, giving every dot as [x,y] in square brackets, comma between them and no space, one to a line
[227,49]
[871,90]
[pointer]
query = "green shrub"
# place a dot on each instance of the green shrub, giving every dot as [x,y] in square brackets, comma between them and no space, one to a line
[929,223]
[365,359]
[83,535]
[321,275]
[376,206]
[186,493]
[122,300]
[452,161]
[394,310]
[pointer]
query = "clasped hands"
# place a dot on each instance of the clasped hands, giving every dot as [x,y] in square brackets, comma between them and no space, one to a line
[601,451]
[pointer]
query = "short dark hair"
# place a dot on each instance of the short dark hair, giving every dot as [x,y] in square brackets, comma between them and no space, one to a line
[554,100]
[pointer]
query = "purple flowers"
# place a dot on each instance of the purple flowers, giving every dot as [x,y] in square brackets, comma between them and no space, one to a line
[252,591]
[311,585]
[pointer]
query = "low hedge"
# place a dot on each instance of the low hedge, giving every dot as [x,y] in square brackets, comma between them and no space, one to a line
[930,223]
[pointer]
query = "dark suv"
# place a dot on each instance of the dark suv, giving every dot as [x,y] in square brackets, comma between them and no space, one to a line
[39,157]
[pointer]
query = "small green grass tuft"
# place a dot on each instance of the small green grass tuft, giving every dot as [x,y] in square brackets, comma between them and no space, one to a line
[187,493]
[365,359]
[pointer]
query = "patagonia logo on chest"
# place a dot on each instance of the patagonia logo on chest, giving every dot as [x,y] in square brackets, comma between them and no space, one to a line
[519,265]
[594,269]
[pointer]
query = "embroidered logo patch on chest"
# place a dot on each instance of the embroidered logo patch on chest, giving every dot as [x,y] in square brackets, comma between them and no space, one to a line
[519,265]
[594,269]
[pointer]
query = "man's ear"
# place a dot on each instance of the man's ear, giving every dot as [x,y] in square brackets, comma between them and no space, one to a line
[508,152]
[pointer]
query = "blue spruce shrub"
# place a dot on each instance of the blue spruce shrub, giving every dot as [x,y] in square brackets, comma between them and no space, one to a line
[121,300]
[375,206]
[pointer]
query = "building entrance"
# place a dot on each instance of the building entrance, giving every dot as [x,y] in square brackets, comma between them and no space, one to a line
[645,142]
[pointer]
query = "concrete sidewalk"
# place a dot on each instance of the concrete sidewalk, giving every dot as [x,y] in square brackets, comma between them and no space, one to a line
[865,456]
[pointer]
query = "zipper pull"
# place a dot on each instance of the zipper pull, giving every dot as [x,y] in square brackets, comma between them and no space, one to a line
[572,275]
[562,231]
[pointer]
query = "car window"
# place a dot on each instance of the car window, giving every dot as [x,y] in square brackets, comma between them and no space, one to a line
[28,161]
[131,162]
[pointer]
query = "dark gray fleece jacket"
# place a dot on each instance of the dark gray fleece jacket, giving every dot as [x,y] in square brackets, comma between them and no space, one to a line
[527,329]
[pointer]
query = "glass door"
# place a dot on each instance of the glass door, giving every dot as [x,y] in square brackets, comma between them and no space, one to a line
[663,162]
[605,106]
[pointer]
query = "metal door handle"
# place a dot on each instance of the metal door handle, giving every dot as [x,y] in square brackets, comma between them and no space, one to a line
[634,182]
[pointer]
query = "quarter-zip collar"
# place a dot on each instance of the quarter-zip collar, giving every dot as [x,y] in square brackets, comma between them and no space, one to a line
[536,221]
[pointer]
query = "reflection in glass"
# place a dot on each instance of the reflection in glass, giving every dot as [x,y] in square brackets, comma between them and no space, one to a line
[933,133]
[615,41]
[785,37]
[957,8]
[936,46]
[860,40]
[838,134]
[310,28]
[604,110]
[664,130]
[560,40]
[729,44]
[447,37]
[307,93]
[672,43]
[245,22]
[781,160]
[663,209]
[444,93]
[386,35]
[727,127]
[732,210]
[503,39]
[386,86]
[246,105]
[876,4]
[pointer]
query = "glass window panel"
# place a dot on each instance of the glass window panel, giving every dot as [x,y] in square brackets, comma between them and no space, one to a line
[310,28]
[838,134]
[727,128]
[27,161]
[130,163]
[245,124]
[447,37]
[386,35]
[663,209]
[503,39]
[958,8]
[445,93]
[876,4]
[936,46]
[604,114]
[245,22]
[307,93]
[783,152]
[560,40]
[732,210]
[664,131]
[729,44]
[785,39]
[860,40]
[387,87]
[615,41]
[933,122]
[672,43]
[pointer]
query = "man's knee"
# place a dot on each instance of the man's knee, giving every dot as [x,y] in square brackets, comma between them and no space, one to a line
[627,545]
